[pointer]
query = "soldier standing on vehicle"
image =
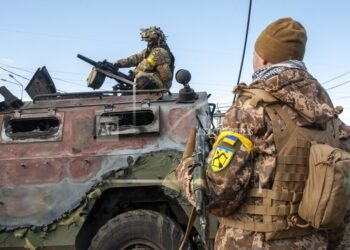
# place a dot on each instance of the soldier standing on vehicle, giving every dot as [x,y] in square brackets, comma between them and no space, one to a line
[253,182]
[154,65]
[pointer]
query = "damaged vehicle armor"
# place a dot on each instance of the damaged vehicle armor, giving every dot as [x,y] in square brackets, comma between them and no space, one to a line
[87,170]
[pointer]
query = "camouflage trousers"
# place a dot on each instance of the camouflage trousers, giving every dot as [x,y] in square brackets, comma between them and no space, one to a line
[230,238]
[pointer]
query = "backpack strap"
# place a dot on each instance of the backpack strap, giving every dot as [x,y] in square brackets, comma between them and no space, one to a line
[282,124]
[258,96]
[274,111]
[336,131]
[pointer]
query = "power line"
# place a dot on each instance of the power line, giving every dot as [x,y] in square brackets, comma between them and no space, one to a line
[62,80]
[337,77]
[336,86]
[4,80]
[28,71]
[18,68]
[18,83]
[14,73]
[66,72]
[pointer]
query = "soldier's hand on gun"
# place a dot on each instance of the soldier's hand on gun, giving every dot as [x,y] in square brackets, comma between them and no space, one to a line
[131,74]
[100,65]
[211,139]
[116,64]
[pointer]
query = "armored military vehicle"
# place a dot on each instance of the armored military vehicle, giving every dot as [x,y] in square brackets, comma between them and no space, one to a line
[86,170]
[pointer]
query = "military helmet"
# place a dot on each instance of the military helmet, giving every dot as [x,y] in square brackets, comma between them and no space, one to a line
[152,34]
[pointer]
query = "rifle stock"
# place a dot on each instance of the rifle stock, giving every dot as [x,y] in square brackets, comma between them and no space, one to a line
[189,149]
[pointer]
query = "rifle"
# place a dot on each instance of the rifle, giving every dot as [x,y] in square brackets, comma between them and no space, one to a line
[103,69]
[199,182]
[197,142]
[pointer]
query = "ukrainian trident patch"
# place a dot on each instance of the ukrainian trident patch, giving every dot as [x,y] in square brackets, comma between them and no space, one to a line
[222,157]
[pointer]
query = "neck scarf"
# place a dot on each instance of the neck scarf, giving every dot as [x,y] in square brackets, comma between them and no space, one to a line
[273,70]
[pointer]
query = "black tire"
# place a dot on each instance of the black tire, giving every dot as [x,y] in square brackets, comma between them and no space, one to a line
[139,229]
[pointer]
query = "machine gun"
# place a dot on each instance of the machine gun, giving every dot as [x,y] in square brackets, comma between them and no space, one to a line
[104,68]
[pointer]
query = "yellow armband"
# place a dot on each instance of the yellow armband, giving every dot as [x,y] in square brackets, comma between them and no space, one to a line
[151,60]
[231,137]
[225,149]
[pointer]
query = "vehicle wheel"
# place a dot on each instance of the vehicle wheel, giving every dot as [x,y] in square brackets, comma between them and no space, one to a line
[139,229]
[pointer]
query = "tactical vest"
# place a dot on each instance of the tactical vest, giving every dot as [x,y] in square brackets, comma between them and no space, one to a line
[277,212]
[150,59]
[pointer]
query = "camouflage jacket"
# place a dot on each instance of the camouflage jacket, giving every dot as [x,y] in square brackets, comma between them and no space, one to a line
[308,105]
[154,64]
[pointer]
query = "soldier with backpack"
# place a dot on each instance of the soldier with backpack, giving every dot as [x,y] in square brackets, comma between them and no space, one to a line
[257,179]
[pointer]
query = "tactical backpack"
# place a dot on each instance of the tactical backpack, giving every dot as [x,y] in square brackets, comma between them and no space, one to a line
[286,210]
[326,192]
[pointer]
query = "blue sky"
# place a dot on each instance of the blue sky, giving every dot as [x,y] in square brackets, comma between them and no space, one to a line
[205,36]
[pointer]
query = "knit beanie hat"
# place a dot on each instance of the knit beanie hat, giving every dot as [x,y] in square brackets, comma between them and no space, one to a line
[282,40]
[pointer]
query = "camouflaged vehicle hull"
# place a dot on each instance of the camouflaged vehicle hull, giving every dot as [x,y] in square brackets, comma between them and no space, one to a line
[70,163]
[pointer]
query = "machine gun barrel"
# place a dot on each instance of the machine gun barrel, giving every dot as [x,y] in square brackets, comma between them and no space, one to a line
[104,65]
[104,69]
[88,60]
